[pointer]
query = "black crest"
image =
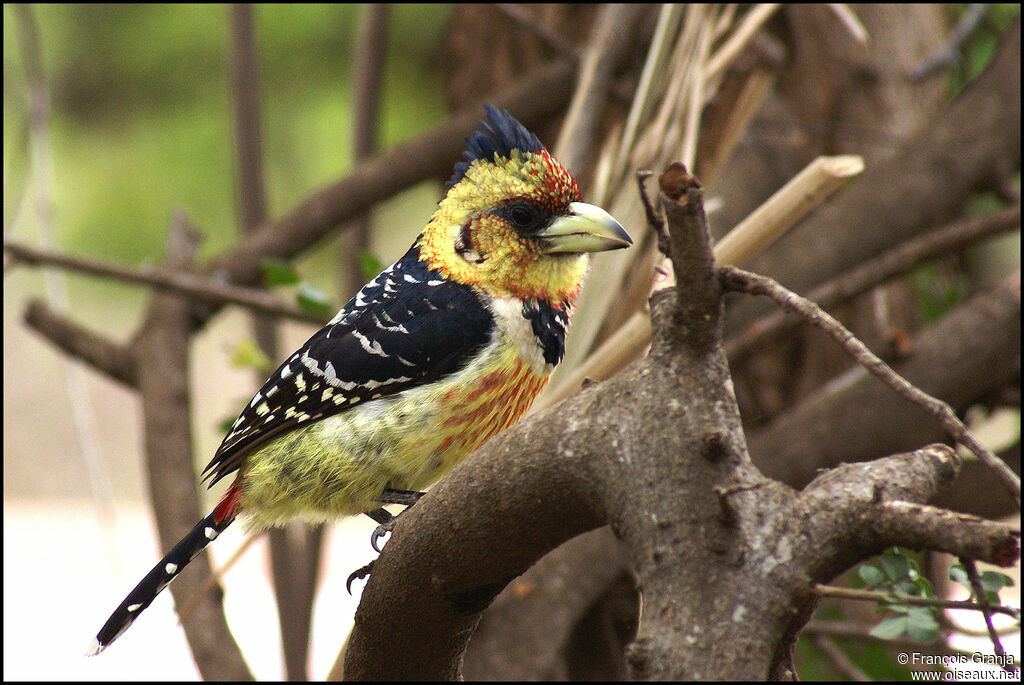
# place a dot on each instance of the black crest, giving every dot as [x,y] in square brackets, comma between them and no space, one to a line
[501,134]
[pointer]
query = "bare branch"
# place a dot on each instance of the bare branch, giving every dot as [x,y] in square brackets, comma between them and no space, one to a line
[196,287]
[986,607]
[892,598]
[743,281]
[104,355]
[244,88]
[925,527]
[698,297]
[949,55]
[370,53]
[962,358]
[889,265]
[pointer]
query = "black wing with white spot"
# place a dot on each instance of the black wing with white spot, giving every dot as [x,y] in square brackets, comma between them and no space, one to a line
[408,326]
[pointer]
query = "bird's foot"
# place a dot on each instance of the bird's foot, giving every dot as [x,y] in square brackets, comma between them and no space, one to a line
[358,574]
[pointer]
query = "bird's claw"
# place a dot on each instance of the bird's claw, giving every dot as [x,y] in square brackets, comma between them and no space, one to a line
[358,574]
[381,530]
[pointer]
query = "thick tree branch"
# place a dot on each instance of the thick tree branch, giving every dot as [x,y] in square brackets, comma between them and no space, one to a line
[523,634]
[861,509]
[698,295]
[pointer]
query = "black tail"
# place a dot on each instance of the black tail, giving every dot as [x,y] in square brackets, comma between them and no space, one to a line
[160,577]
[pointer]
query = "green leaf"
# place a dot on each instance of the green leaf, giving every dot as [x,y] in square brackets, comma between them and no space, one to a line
[369,264]
[890,628]
[276,272]
[958,574]
[314,301]
[921,624]
[993,581]
[895,566]
[248,355]
[871,575]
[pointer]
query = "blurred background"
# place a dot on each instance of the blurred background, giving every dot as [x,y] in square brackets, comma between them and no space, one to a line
[139,125]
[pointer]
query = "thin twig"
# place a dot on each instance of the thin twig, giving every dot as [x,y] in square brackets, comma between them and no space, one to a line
[887,266]
[654,220]
[949,54]
[986,607]
[895,598]
[754,284]
[196,287]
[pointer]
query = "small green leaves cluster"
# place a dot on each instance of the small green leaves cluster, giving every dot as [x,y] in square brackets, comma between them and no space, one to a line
[898,574]
[311,298]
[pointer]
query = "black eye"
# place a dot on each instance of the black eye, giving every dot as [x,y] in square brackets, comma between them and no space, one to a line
[524,216]
[521,215]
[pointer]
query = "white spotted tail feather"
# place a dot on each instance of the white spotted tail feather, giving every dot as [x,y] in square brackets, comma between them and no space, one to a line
[158,578]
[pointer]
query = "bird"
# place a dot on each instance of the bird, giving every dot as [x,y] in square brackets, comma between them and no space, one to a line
[439,352]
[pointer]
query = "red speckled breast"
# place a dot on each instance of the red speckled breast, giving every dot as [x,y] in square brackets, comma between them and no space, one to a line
[490,404]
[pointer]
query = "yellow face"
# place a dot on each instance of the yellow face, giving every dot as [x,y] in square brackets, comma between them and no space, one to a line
[472,240]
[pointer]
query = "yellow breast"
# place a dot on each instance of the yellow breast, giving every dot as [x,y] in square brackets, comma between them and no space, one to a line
[340,465]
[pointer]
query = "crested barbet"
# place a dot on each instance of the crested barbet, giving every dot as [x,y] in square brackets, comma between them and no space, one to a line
[445,348]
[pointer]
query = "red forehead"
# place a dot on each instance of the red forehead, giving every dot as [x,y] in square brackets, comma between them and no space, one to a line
[558,183]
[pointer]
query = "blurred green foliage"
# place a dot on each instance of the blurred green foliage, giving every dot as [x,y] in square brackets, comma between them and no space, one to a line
[140,118]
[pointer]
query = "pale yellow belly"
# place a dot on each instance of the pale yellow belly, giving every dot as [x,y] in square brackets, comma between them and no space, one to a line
[338,466]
